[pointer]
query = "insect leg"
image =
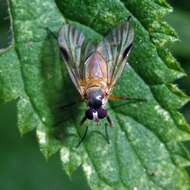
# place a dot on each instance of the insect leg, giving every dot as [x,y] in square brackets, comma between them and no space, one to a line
[83,137]
[109,121]
[127,98]
[107,135]
[85,133]
[106,128]
[83,120]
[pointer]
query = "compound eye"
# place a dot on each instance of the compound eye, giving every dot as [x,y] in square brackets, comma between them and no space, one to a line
[89,113]
[101,113]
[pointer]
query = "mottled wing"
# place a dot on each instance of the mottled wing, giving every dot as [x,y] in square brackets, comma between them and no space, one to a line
[75,50]
[115,49]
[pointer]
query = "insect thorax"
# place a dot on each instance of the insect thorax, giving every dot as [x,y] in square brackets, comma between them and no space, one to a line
[95,97]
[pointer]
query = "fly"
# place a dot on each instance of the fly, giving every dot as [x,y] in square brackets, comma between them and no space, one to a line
[94,70]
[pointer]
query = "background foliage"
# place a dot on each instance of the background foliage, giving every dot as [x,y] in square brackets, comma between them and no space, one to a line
[17,153]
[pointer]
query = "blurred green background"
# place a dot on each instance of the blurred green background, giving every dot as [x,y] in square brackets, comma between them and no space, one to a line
[22,166]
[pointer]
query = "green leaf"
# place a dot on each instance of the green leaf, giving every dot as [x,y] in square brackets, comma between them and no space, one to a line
[146,149]
[180,20]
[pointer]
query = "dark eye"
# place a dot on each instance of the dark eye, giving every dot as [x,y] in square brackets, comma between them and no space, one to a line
[101,113]
[89,113]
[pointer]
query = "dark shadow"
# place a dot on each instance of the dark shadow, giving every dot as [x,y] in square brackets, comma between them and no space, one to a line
[185,111]
[5,30]
[58,89]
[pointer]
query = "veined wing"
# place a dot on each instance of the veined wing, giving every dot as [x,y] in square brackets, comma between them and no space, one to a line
[115,49]
[75,50]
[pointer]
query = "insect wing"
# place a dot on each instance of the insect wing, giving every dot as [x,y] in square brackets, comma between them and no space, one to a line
[74,49]
[115,49]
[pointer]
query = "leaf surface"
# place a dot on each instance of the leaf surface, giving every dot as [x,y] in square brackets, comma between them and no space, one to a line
[146,150]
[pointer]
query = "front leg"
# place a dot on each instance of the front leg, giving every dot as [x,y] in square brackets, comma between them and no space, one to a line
[106,128]
[85,133]
[109,121]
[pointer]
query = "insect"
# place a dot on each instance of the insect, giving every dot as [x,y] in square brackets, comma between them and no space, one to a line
[94,70]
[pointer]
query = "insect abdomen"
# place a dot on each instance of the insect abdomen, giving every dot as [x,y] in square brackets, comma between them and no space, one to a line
[95,68]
